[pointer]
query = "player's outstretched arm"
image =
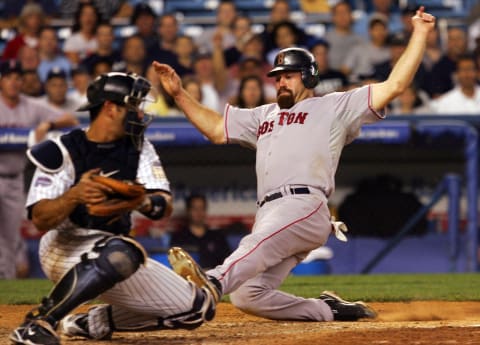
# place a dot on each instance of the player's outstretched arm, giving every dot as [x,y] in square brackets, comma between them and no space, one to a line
[404,70]
[208,121]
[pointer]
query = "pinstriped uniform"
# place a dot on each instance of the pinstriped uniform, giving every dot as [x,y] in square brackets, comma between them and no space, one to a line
[297,149]
[153,291]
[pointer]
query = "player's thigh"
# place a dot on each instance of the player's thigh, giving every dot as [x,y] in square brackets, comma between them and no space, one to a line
[61,250]
[154,289]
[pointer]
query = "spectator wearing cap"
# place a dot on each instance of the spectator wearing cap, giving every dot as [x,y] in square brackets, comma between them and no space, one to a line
[398,43]
[441,79]
[31,84]
[341,38]
[359,63]
[329,79]
[105,49]
[50,54]
[225,15]
[29,24]
[19,111]
[83,41]
[56,92]
[464,98]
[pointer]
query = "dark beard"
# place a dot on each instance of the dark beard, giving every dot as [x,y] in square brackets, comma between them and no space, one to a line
[285,100]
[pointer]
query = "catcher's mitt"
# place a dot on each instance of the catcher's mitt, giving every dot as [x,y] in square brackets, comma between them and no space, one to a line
[126,196]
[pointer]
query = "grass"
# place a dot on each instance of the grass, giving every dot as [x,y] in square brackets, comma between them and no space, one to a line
[385,287]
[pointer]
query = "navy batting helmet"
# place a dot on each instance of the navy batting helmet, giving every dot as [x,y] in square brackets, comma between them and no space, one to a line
[297,60]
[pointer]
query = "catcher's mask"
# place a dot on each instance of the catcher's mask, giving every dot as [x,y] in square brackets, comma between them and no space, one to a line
[129,90]
[297,60]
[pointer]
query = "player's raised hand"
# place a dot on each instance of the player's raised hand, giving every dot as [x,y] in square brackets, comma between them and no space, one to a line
[170,80]
[423,20]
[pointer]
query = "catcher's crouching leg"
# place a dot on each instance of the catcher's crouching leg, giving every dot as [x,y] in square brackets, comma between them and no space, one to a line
[115,259]
[203,309]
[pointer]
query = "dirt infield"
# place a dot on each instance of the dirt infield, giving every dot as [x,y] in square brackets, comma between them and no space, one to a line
[432,323]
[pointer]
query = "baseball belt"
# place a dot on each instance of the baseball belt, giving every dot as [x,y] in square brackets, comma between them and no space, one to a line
[278,195]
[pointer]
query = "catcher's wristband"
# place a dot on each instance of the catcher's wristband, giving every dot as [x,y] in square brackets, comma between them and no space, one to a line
[158,206]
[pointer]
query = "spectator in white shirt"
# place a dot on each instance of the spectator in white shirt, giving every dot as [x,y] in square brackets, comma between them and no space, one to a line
[464,98]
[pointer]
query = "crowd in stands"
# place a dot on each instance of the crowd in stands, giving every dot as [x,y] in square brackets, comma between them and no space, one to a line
[227,62]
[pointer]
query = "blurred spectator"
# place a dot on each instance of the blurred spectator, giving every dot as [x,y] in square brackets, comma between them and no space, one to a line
[56,88]
[105,50]
[407,13]
[49,54]
[473,21]
[330,80]
[29,58]
[242,30]
[80,80]
[203,68]
[385,7]
[144,19]
[10,11]
[398,43]
[184,49]
[226,13]
[100,66]
[31,84]
[285,34]
[211,245]
[441,79]
[463,99]
[433,51]
[411,102]
[18,111]
[83,41]
[279,12]
[134,56]
[250,93]
[29,23]
[168,31]
[341,38]
[107,8]
[193,87]
[362,58]
[164,104]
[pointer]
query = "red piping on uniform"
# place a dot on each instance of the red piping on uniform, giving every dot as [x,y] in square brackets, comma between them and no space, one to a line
[267,238]
[370,104]
[225,122]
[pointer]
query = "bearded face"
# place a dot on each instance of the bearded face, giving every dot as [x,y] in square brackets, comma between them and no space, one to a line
[285,98]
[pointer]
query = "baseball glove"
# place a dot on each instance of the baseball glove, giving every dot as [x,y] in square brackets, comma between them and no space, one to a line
[127,196]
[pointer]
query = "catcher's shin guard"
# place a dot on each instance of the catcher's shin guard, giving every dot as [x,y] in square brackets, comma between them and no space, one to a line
[118,258]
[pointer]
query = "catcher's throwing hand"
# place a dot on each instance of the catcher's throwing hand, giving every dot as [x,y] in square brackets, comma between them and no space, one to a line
[169,78]
[87,191]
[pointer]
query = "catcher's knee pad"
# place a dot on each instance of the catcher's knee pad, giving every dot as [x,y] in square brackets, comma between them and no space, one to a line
[203,309]
[114,260]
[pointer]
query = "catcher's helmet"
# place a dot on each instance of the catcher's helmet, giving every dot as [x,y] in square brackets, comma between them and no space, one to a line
[299,60]
[127,89]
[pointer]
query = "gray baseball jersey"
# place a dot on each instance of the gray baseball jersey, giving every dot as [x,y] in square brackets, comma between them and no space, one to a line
[153,292]
[28,113]
[298,151]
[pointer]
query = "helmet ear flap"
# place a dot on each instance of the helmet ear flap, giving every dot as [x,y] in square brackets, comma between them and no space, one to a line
[310,76]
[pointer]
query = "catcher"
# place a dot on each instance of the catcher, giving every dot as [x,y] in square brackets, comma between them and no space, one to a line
[86,185]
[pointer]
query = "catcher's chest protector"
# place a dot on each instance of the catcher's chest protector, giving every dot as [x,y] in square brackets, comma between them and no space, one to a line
[120,155]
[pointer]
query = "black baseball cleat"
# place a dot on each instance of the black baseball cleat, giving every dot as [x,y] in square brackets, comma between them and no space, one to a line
[347,311]
[35,332]
[184,265]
